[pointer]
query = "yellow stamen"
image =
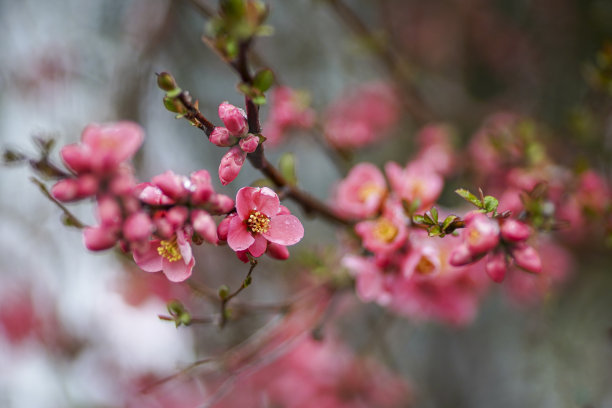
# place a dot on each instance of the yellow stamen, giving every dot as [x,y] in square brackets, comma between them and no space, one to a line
[385,231]
[367,190]
[170,250]
[425,266]
[258,222]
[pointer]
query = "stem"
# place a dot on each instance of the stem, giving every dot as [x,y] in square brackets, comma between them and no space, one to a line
[71,219]
[246,282]
[194,115]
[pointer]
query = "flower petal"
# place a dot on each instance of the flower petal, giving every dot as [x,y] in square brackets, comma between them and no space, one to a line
[238,237]
[266,201]
[259,246]
[285,230]
[149,260]
[177,271]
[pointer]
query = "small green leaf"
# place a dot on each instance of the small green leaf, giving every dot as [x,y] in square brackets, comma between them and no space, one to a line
[247,282]
[433,231]
[286,165]
[174,93]
[223,292]
[428,219]
[490,203]
[434,214]
[259,100]
[448,221]
[418,219]
[263,80]
[465,194]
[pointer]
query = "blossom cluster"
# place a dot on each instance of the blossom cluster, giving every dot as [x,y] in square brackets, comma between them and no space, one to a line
[158,221]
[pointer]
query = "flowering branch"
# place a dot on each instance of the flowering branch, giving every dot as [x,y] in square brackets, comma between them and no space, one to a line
[225,298]
[69,218]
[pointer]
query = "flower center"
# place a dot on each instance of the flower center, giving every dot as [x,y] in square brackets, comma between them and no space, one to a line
[425,266]
[385,231]
[258,222]
[367,190]
[170,250]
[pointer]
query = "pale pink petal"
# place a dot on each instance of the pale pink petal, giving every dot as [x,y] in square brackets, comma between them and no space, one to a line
[182,239]
[266,201]
[259,246]
[244,201]
[149,260]
[285,230]
[238,237]
[177,271]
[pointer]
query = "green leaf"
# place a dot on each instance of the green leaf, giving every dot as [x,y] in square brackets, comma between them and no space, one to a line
[448,221]
[490,203]
[286,165]
[259,100]
[263,80]
[465,194]
[434,214]
[418,219]
[223,292]
[428,219]
[433,231]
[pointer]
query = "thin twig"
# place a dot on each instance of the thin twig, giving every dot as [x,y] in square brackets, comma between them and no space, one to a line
[71,219]
[245,283]
[164,380]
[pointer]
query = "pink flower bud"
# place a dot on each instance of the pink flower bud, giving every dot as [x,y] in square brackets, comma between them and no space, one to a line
[172,185]
[177,216]
[234,119]
[109,211]
[249,144]
[221,204]
[221,137]
[137,227]
[460,256]
[99,238]
[123,181]
[202,189]
[527,258]
[515,231]
[111,144]
[87,185]
[231,164]
[76,157]
[496,266]
[223,228]
[482,233]
[65,190]
[277,251]
[204,225]
[163,227]
[152,195]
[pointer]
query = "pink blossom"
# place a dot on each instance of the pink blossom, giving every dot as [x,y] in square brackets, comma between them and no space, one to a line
[415,182]
[388,232]
[527,258]
[514,230]
[230,165]
[99,238]
[496,266]
[103,147]
[288,109]
[259,220]
[361,116]
[221,137]
[204,225]
[361,193]
[234,119]
[138,227]
[249,143]
[174,186]
[371,283]
[481,233]
[436,148]
[173,257]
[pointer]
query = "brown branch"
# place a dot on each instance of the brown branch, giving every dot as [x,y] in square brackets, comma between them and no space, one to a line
[390,59]
[194,115]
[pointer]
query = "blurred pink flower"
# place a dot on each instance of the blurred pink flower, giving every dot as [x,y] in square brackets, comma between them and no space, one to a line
[361,193]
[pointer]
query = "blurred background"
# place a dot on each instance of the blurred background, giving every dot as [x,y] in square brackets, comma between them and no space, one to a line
[80,329]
